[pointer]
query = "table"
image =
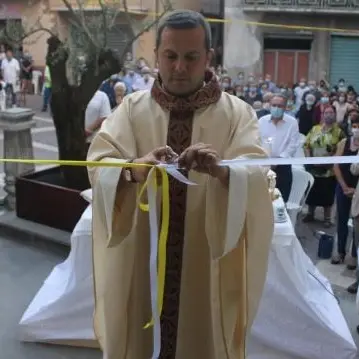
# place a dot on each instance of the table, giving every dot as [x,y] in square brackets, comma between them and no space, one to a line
[298,316]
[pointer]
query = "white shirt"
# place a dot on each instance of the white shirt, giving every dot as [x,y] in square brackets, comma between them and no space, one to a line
[282,138]
[98,107]
[141,84]
[10,70]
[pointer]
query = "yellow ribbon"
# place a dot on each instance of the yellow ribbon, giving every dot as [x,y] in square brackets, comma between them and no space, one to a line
[263,24]
[162,245]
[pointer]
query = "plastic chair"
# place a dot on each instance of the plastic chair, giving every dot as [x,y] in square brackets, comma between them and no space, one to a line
[35,80]
[300,151]
[302,183]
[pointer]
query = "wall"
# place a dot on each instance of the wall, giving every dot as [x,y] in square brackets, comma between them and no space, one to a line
[36,44]
[52,18]
[320,52]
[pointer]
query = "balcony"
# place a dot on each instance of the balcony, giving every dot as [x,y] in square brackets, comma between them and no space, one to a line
[92,5]
[303,6]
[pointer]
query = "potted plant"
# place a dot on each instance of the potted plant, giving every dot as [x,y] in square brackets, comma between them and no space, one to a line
[78,65]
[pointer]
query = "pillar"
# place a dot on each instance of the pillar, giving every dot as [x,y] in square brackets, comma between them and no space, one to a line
[16,124]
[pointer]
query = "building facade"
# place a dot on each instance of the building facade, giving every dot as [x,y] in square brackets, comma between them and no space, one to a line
[55,16]
[319,39]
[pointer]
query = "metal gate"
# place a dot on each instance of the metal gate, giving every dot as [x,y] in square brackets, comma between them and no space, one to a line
[344,60]
[286,66]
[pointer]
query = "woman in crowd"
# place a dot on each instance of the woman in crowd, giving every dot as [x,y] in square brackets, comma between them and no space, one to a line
[345,189]
[349,117]
[319,108]
[305,115]
[290,108]
[240,93]
[341,106]
[351,97]
[120,92]
[322,140]
[253,95]
[323,86]
[265,110]
[226,82]
[26,74]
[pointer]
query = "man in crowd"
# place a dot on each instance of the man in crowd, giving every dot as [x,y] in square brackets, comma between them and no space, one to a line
[10,69]
[131,76]
[96,112]
[280,133]
[212,289]
[145,81]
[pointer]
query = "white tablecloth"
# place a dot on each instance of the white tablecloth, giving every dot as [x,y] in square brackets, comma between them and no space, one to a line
[298,316]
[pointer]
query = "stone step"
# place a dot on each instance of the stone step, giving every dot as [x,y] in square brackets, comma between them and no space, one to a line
[32,233]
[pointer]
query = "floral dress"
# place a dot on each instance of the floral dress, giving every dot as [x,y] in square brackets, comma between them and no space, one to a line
[322,143]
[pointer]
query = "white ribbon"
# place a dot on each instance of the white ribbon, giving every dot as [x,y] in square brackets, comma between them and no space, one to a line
[152,204]
[245,161]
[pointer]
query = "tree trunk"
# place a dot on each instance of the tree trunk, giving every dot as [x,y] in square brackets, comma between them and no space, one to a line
[68,106]
[68,115]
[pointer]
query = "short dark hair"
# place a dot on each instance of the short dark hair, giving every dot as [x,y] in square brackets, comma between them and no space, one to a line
[184,19]
[282,96]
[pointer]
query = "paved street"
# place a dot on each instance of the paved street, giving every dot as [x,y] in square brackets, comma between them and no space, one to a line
[23,269]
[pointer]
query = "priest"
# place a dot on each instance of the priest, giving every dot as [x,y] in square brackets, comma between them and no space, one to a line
[220,231]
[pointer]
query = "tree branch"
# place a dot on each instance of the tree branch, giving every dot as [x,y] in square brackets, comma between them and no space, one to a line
[27,34]
[104,21]
[167,6]
[80,20]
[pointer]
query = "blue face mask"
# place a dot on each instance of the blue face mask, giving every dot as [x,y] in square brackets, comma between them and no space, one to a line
[276,112]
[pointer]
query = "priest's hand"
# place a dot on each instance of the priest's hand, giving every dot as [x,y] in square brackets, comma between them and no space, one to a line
[204,159]
[155,157]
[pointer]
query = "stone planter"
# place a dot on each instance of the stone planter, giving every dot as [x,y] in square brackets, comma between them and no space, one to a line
[42,197]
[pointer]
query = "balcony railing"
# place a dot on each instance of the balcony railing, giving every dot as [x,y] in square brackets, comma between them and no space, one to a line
[328,6]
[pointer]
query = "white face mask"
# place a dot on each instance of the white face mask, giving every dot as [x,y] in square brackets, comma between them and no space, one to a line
[302,84]
[355,132]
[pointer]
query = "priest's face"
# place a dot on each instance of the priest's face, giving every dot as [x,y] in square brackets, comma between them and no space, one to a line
[182,60]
